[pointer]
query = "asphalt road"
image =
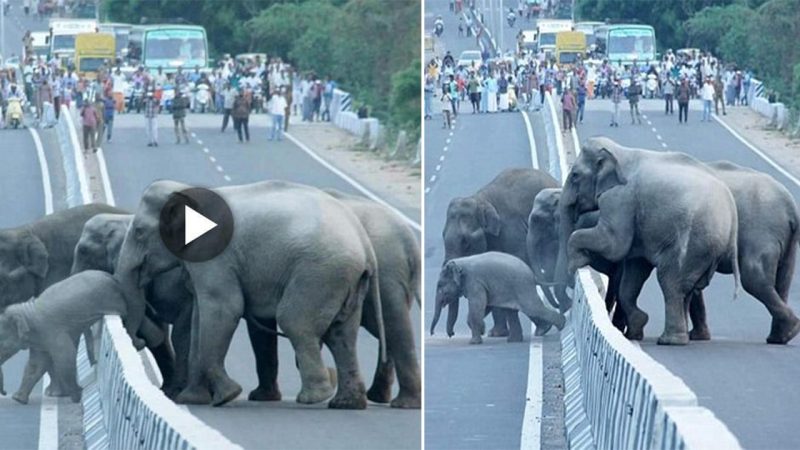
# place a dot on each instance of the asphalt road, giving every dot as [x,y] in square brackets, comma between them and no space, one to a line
[474,395]
[132,166]
[747,383]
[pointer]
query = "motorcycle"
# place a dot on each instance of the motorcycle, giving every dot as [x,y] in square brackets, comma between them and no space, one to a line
[511,19]
[651,85]
[14,112]
[136,97]
[202,98]
[438,29]
[258,100]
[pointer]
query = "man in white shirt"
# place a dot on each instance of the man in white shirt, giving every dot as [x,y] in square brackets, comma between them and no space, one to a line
[118,85]
[277,107]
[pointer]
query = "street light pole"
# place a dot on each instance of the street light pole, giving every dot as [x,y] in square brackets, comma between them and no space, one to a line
[2,31]
[502,34]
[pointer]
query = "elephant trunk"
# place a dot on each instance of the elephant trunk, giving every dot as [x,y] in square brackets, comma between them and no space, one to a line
[130,275]
[452,316]
[566,225]
[437,312]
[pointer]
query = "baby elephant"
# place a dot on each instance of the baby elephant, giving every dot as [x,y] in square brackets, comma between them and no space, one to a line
[51,324]
[492,279]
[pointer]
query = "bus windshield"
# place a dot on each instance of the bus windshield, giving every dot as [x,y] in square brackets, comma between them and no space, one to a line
[172,48]
[63,42]
[631,41]
[90,64]
[547,39]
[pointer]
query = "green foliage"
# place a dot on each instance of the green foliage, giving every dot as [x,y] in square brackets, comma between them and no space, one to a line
[405,100]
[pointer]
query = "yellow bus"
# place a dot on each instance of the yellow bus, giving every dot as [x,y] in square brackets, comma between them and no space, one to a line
[570,46]
[92,50]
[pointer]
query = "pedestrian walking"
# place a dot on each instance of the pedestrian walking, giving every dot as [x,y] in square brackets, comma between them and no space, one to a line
[683,95]
[179,106]
[719,89]
[228,98]
[707,94]
[241,117]
[100,108]
[634,93]
[568,109]
[89,122]
[109,107]
[491,94]
[430,90]
[668,89]
[581,98]
[277,107]
[473,88]
[151,108]
[447,106]
[616,98]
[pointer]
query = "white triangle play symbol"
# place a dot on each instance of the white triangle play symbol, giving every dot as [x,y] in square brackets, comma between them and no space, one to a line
[195,225]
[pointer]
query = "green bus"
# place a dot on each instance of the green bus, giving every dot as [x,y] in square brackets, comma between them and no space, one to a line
[624,43]
[173,46]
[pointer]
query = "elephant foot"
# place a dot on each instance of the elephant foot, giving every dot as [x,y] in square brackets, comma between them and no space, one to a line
[785,333]
[76,396]
[54,390]
[674,339]
[21,398]
[225,391]
[380,393]
[406,401]
[498,332]
[634,335]
[542,330]
[700,334]
[636,322]
[476,340]
[265,394]
[515,337]
[194,395]
[348,402]
[310,396]
[562,322]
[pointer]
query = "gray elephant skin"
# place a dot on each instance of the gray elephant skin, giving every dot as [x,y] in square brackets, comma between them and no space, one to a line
[494,219]
[51,324]
[492,279]
[168,298]
[648,208]
[297,255]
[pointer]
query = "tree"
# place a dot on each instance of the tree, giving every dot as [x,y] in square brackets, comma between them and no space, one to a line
[723,30]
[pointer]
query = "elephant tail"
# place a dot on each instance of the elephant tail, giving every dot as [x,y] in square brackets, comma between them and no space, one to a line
[255,322]
[375,295]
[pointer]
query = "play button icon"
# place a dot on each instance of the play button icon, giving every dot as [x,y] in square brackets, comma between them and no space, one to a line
[196,224]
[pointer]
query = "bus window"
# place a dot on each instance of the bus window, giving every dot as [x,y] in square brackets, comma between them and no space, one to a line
[170,48]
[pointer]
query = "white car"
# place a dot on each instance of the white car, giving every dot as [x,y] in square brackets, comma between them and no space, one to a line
[470,57]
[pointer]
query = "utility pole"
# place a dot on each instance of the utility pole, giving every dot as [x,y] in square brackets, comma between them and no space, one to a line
[502,40]
[2,32]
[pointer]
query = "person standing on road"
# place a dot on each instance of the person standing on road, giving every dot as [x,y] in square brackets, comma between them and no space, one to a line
[118,85]
[277,107]
[151,107]
[707,94]
[473,88]
[581,97]
[430,90]
[568,109]
[616,98]
[99,108]
[719,90]
[668,89]
[491,94]
[684,93]
[241,117]
[634,93]
[89,122]
[109,106]
[228,98]
[447,106]
[179,105]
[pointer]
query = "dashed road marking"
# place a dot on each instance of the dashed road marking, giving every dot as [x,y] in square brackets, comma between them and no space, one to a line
[441,158]
[654,128]
[433,178]
[658,136]
[200,142]
[664,144]
[212,159]
[227,178]
[219,168]
[438,167]
[445,149]
[206,150]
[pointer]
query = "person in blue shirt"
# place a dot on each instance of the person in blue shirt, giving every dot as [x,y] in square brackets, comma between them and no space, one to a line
[581,97]
[108,116]
[327,97]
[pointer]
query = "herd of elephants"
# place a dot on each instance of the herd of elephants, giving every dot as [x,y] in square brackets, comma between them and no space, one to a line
[315,265]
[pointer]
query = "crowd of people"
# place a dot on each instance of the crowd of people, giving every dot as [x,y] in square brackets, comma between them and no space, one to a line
[506,84]
[234,89]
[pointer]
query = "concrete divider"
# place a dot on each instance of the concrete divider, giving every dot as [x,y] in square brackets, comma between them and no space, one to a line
[122,408]
[615,395]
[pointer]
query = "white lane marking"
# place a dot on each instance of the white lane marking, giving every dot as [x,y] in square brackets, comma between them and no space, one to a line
[212,159]
[445,149]
[427,190]
[758,152]
[206,150]
[200,142]
[227,178]
[193,134]
[76,147]
[451,133]
[532,419]
[48,410]
[48,419]
[219,168]
[664,144]
[438,167]
[531,140]
[447,141]
[433,178]
[353,182]
[658,136]
[654,129]
[101,161]
[441,158]
[48,189]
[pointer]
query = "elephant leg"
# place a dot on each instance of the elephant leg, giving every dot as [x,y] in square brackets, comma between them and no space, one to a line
[401,346]
[785,272]
[164,355]
[500,328]
[382,381]
[452,316]
[477,307]
[341,340]
[758,281]
[634,274]
[618,318]
[181,341]
[265,349]
[63,354]
[697,314]
[36,367]
[88,339]
[219,307]
[675,327]
[514,326]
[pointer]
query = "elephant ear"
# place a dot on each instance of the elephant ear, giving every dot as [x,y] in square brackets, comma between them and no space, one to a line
[609,173]
[454,270]
[113,238]
[32,254]
[23,329]
[490,220]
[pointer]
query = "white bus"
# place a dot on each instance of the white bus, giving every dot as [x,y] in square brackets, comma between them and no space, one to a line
[547,30]
[62,36]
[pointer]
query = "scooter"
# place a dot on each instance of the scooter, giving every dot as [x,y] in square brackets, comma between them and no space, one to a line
[511,19]
[202,98]
[14,112]
[258,100]
[438,29]
[651,85]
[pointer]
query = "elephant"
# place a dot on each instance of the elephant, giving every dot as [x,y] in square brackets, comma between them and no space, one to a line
[400,272]
[50,325]
[767,245]
[168,298]
[296,255]
[495,219]
[492,279]
[648,208]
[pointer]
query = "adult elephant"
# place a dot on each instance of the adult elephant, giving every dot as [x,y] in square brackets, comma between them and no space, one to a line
[296,255]
[649,207]
[494,219]
[168,297]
